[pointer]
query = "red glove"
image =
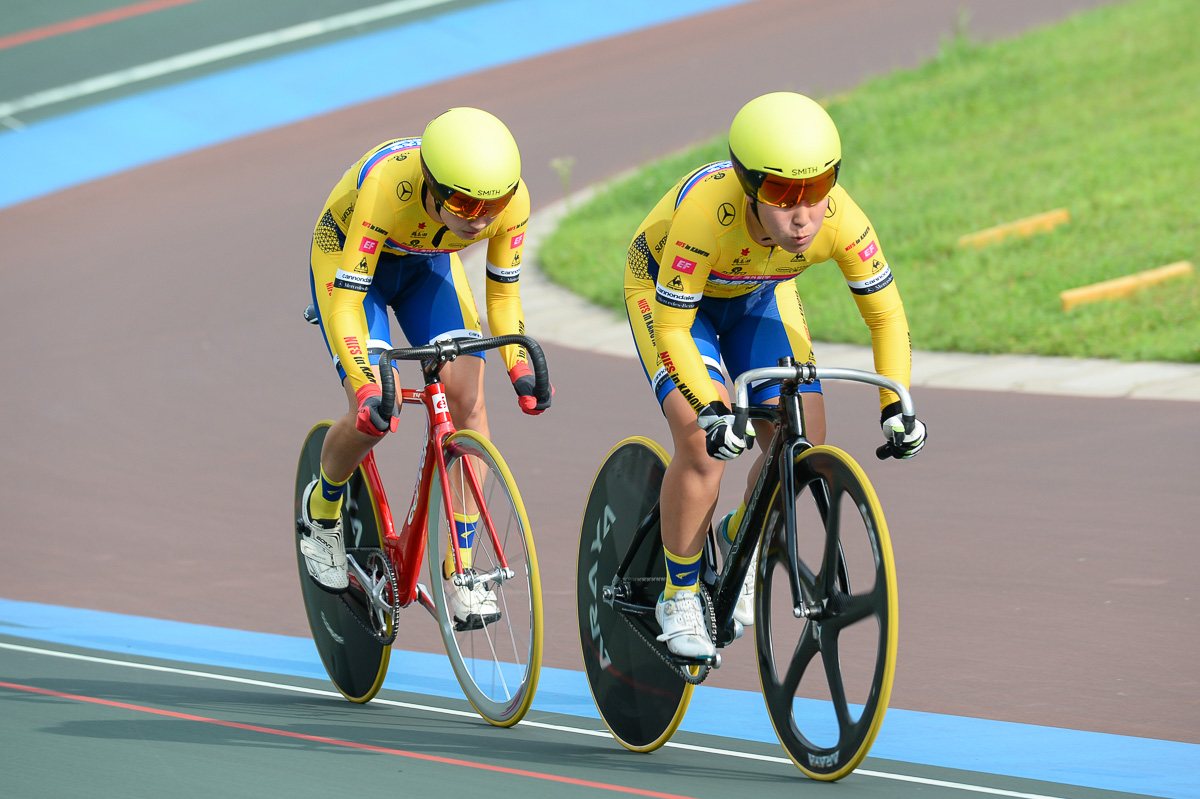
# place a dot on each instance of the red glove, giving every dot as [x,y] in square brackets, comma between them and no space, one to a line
[522,379]
[370,420]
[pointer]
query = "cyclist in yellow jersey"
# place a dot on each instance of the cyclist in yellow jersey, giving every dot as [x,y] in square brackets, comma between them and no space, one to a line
[389,237]
[710,276]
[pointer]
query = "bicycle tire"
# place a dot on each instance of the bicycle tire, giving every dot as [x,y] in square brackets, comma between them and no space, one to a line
[498,663]
[827,725]
[354,659]
[641,698]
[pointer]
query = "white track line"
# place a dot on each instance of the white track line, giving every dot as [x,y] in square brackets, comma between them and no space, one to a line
[209,55]
[540,725]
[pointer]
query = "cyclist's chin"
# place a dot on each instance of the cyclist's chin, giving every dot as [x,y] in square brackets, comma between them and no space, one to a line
[467,233]
[795,245]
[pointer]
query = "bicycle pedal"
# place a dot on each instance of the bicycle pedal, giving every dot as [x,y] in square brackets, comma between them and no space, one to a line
[475,622]
[713,662]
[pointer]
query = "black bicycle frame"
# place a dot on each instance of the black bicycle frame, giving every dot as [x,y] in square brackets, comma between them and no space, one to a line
[779,464]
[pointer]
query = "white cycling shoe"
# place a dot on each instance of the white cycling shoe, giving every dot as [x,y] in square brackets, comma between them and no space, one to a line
[473,608]
[744,612]
[323,549]
[683,624]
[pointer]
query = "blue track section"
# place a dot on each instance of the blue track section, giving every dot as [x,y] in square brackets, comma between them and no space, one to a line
[102,140]
[1092,760]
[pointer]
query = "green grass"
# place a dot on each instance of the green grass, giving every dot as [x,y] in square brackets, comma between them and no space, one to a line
[1099,114]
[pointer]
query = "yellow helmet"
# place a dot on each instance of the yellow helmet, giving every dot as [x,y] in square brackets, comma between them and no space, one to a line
[785,149]
[470,162]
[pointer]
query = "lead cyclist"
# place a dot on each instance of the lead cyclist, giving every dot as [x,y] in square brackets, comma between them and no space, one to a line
[711,275]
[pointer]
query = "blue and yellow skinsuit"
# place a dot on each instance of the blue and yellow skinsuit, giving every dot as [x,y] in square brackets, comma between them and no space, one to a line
[375,247]
[698,289]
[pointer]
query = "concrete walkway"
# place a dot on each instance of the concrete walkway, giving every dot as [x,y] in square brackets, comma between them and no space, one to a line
[553,314]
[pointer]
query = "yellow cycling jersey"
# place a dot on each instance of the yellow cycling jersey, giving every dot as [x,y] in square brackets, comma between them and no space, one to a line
[694,245]
[378,206]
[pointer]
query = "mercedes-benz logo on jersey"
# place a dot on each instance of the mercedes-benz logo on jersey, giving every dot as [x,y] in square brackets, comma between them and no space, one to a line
[830,209]
[404,190]
[726,214]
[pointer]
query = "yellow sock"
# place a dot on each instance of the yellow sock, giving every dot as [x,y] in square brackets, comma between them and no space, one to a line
[464,526]
[735,521]
[325,502]
[682,573]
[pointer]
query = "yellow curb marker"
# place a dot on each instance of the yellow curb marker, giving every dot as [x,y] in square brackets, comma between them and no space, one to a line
[1038,223]
[1122,286]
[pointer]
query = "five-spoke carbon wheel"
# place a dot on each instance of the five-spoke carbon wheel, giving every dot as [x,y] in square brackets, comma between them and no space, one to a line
[827,639]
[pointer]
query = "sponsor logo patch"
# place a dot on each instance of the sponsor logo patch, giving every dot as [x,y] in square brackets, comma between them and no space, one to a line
[517,241]
[683,265]
[369,246]
[870,250]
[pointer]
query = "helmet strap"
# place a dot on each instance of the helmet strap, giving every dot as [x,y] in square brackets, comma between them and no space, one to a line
[753,206]
[437,205]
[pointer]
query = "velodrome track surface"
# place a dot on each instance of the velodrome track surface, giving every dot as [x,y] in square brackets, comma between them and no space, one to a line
[1046,578]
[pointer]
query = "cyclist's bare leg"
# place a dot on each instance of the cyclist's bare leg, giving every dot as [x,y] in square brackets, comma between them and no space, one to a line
[345,445]
[321,543]
[463,379]
[814,431]
[692,481]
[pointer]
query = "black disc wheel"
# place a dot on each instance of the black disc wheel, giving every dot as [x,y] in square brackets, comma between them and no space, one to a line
[348,629]
[641,697]
[827,639]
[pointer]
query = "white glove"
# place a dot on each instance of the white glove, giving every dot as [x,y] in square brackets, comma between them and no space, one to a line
[716,421]
[904,445]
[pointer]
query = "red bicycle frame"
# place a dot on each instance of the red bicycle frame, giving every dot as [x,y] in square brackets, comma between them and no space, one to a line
[406,549]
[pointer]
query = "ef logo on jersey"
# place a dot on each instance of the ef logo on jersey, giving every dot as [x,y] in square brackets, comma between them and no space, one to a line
[683,265]
[369,246]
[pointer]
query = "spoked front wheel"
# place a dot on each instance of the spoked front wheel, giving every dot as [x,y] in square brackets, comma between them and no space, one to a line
[640,695]
[827,640]
[348,629]
[491,620]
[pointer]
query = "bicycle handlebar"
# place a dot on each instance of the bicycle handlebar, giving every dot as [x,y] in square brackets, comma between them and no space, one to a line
[444,351]
[807,373]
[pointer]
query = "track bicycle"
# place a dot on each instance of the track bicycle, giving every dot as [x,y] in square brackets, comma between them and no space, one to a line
[496,660]
[825,604]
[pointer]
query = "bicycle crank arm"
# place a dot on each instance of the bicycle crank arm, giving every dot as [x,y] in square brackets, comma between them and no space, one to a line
[425,599]
[372,588]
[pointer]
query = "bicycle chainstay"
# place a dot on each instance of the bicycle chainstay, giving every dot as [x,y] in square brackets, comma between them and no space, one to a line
[366,553]
[658,648]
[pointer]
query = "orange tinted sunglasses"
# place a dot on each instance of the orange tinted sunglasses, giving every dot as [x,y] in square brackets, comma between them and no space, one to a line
[463,205]
[785,192]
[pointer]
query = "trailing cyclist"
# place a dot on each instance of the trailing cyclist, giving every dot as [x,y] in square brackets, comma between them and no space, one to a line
[710,275]
[389,236]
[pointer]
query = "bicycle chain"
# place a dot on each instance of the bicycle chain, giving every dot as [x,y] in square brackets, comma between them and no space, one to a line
[658,648]
[386,640]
